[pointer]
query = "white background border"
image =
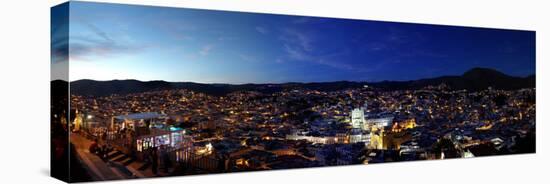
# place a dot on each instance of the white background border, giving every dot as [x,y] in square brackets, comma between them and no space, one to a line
[24,91]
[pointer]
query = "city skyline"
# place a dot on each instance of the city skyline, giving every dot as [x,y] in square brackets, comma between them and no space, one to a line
[463,92]
[484,70]
[176,44]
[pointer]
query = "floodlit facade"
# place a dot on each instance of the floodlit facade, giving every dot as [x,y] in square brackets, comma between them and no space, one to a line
[357,117]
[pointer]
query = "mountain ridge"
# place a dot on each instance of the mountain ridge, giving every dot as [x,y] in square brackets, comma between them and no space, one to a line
[474,79]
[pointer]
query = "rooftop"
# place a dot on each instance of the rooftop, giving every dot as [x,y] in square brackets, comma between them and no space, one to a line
[138,116]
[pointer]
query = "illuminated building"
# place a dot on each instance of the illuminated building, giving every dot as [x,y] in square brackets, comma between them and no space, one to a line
[357,135]
[376,139]
[403,125]
[314,139]
[84,122]
[360,120]
[342,138]
[134,121]
[77,123]
[175,137]
[357,117]
[377,122]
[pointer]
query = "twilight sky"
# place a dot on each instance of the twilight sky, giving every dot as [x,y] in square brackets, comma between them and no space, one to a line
[112,41]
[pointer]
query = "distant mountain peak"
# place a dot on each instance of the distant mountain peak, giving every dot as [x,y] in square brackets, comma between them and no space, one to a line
[480,73]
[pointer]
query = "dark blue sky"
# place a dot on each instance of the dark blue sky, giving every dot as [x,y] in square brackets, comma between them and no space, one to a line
[110,41]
